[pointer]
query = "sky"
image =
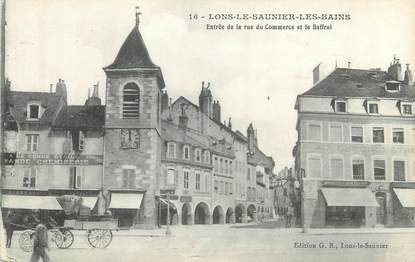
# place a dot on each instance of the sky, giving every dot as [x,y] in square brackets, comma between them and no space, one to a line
[255,74]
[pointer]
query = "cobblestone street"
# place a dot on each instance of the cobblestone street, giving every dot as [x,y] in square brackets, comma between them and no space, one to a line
[235,243]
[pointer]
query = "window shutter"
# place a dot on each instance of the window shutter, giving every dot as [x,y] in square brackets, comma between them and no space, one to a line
[72,173]
[81,141]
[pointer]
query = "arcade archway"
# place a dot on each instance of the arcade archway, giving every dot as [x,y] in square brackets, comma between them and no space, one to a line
[187,217]
[251,212]
[218,215]
[202,216]
[239,213]
[230,219]
[163,214]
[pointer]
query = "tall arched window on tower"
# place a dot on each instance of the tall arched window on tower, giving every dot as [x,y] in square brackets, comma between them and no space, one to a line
[131,102]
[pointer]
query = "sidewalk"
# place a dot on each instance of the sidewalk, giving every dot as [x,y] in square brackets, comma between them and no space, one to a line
[376,230]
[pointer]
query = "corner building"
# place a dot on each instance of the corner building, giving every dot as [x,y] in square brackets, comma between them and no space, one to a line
[355,148]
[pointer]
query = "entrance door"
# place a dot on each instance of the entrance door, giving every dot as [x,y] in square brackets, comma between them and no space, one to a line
[381,210]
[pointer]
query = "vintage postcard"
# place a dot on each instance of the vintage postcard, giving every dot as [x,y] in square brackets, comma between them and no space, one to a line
[233,130]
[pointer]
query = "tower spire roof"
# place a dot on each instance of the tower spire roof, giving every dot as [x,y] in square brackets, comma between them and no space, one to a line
[133,52]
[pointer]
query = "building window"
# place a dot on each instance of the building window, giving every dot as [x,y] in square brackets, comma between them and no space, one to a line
[226,166]
[130,138]
[249,174]
[216,187]
[314,163]
[392,86]
[186,152]
[398,135]
[131,101]
[29,177]
[406,109]
[358,169]
[33,112]
[314,132]
[81,141]
[336,133]
[357,134]
[171,150]
[340,106]
[378,135]
[129,178]
[186,179]
[230,189]
[221,165]
[373,108]
[197,181]
[32,143]
[75,177]
[226,188]
[221,189]
[198,157]
[215,164]
[230,167]
[336,167]
[399,170]
[207,157]
[379,169]
[171,177]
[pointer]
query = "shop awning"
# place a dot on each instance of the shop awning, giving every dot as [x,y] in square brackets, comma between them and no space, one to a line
[126,200]
[354,197]
[89,201]
[165,202]
[30,202]
[406,196]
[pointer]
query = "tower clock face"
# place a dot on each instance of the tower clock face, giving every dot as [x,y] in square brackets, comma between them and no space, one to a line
[130,138]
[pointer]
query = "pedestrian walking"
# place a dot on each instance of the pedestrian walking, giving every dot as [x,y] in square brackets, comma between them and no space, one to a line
[40,244]
[290,214]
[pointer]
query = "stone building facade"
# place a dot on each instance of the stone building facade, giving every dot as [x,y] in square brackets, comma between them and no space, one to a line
[354,154]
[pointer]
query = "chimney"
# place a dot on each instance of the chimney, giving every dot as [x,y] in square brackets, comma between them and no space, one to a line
[205,99]
[230,123]
[170,116]
[61,88]
[316,73]
[408,79]
[395,69]
[183,119]
[216,111]
[348,64]
[94,100]
[164,101]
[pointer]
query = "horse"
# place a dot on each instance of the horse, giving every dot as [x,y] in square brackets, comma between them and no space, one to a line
[15,222]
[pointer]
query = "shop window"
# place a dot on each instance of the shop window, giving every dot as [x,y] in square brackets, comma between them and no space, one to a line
[357,134]
[197,181]
[171,176]
[129,178]
[171,150]
[186,179]
[75,177]
[314,163]
[379,169]
[336,133]
[198,157]
[340,106]
[336,167]
[314,132]
[131,101]
[358,169]
[29,177]
[378,135]
[186,152]
[398,135]
[130,138]
[399,170]
[32,143]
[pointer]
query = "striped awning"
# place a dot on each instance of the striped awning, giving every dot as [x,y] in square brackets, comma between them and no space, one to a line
[126,200]
[355,197]
[406,196]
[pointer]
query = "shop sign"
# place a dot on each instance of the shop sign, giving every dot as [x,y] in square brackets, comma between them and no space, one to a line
[54,159]
[185,199]
[335,183]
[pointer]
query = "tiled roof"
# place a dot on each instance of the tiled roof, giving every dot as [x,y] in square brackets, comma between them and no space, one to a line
[346,82]
[171,132]
[19,100]
[83,117]
[133,53]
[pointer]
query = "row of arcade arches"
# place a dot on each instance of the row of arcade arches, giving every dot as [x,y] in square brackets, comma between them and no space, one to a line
[202,214]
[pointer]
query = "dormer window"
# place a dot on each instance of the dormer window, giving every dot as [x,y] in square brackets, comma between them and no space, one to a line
[340,106]
[392,86]
[186,152]
[373,108]
[33,111]
[406,108]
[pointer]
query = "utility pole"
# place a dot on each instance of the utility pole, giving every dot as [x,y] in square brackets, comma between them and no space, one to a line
[168,232]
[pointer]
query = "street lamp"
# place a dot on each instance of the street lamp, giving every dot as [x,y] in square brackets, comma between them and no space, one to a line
[168,232]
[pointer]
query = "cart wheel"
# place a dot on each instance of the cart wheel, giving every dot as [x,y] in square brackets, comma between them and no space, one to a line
[67,239]
[26,240]
[99,238]
[55,236]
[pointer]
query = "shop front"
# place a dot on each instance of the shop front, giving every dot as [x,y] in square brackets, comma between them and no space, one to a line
[403,206]
[125,207]
[349,207]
